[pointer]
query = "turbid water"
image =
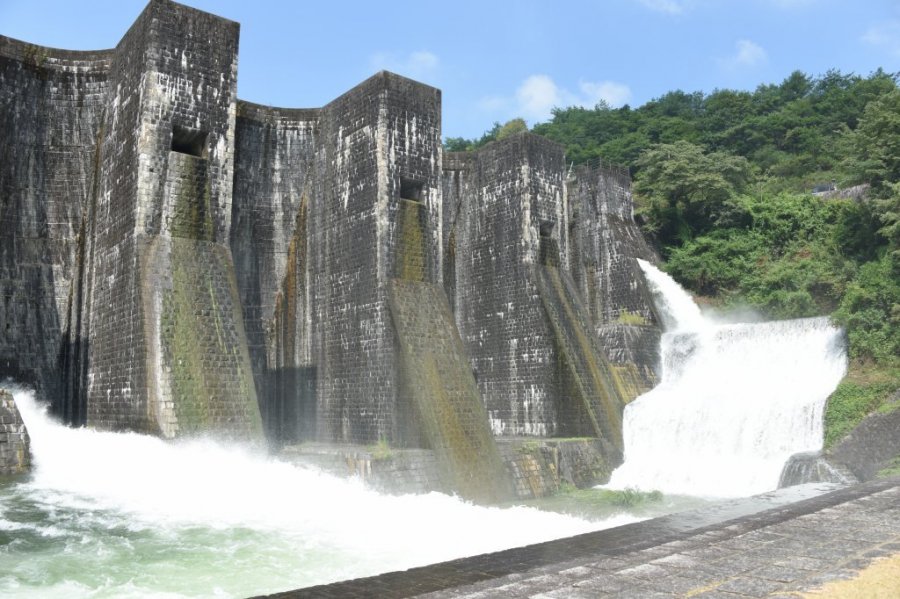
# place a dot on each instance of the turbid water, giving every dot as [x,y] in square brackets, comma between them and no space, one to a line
[126,515]
[736,400]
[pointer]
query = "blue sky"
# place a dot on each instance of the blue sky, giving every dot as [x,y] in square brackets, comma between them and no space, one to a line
[498,60]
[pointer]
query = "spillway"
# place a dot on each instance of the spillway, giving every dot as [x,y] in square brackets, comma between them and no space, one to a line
[735,400]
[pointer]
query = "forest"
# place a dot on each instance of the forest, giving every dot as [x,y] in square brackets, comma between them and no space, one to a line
[723,186]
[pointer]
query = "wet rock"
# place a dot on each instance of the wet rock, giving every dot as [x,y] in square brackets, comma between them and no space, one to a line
[14,442]
[813,467]
[873,444]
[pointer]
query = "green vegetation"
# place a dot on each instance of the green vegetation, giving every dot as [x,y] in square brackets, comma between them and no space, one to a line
[630,497]
[382,450]
[631,318]
[35,56]
[498,131]
[595,503]
[893,469]
[865,390]
[722,187]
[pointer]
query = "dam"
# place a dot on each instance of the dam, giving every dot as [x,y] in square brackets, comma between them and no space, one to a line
[178,262]
[192,283]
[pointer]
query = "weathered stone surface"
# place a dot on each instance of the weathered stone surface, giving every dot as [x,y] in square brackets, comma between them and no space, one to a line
[181,262]
[872,444]
[605,246]
[51,106]
[536,467]
[870,447]
[439,394]
[503,198]
[15,456]
[595,400]
[813,467]
[540,467]
[137,144]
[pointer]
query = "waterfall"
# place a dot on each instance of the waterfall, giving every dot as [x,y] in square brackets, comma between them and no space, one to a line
[127,515]
[735,401]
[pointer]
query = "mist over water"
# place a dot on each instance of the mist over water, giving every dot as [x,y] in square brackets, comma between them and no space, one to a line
[735,400]
[127,515]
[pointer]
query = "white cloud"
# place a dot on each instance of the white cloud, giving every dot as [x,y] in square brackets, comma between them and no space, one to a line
[417,65]
[884,35]
[747,54]
[536,97]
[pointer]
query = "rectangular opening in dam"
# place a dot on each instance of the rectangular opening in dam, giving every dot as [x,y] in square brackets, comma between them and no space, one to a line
[549,248]
[189,141]
[411,190]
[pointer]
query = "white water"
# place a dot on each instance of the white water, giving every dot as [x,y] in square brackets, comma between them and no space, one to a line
[734,403]
[126,515]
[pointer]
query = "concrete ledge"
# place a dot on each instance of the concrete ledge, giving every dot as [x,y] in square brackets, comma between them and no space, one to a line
[538,466]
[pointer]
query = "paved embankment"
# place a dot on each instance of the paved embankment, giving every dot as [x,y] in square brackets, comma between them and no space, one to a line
[767,546]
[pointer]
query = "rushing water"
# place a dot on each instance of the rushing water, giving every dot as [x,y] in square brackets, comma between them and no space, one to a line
[735,400]
[126,515]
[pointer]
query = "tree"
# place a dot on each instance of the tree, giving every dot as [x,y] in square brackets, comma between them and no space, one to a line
[888,213]
[512,127]
[682,189]
[875,144]
[457,144]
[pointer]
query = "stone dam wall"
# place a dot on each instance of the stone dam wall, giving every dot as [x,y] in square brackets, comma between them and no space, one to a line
[176,261]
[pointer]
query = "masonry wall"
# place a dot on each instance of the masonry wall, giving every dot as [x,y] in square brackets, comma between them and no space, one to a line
[606,244]
[176,260]
[164,205]
[320,229]
[112,327]
[51,107]
[277,180]
[504,194]
[457,182]
[375,137]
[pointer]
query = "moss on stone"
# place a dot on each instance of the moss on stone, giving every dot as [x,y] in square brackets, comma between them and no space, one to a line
[864,390]
[35,56]
[411,245]
[200,351]
[437,379]
[631,318]
[892,469]
[182,330]
[193,211]
[600,395]
[628,381]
